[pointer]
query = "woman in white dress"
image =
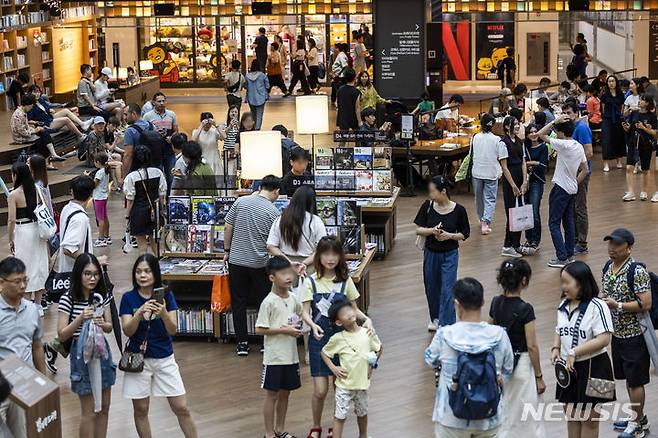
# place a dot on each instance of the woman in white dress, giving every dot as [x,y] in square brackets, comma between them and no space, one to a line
[23,230]
[208,136]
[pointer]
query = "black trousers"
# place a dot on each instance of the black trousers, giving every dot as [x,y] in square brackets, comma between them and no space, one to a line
[91,111]
[512,239]
[277,81]
[298,75]
[335,85]
[313,81]
[249,287]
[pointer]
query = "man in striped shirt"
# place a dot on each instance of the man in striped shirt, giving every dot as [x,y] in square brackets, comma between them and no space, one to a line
[248,224]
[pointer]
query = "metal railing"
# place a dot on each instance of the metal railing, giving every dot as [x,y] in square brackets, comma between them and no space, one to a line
[489,99]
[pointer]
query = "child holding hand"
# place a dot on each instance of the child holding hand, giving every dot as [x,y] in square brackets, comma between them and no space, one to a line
[358,353]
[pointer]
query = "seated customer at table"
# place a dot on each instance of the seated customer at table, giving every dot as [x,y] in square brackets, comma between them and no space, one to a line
[503,103]
[105,94]
[43,114]
[369,118]
[24,133]
[298,175]
[451,109]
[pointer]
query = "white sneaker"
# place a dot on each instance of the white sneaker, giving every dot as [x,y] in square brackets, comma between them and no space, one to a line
[510,252]
[643,196]
[432,326]
[654,198]
[100,243]
[628,197]
[606,168]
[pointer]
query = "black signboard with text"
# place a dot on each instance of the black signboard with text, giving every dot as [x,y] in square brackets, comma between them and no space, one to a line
[494,33]
[400,48]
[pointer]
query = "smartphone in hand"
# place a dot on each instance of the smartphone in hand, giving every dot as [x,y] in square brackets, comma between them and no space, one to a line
[159,294]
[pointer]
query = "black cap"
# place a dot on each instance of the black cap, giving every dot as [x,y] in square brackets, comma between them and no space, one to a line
[621,235]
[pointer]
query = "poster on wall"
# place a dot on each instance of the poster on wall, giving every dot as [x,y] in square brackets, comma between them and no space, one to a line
[399,52]
[160,54]
[494,33]
[456,38]
[653,49]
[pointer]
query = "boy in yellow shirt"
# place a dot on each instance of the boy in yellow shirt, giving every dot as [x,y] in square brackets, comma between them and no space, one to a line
[358,355]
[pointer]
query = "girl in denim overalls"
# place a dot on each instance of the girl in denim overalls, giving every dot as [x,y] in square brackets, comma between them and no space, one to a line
[329,283]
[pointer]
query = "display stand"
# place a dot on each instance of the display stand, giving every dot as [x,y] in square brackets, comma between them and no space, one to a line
[37,395]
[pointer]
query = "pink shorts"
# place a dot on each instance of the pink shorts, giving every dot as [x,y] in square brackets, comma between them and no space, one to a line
[100,207]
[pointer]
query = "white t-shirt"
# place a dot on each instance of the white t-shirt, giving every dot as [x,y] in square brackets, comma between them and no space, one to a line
[445,112]
[101,190]
[633,102]
[596,320]
[102,90]
[312,231]
[136,176]
[77,234]
[313,58]
[570,154]
[488,150]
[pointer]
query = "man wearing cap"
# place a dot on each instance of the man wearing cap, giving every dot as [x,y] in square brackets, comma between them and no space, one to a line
[487,150]
[105,94]
[627,291]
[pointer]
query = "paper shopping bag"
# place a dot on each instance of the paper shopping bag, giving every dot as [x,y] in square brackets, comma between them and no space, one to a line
[220,299]
[521,217]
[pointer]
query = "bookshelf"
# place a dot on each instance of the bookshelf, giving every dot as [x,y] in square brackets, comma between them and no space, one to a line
[27,43]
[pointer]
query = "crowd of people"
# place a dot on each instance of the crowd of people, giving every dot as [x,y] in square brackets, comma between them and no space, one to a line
[286,265]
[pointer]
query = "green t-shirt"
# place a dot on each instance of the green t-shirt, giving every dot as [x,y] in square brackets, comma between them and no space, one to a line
[276,312]
[326,285]
[425,106]
[353,348]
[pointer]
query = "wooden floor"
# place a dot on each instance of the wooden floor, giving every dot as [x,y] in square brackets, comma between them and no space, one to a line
[223,390]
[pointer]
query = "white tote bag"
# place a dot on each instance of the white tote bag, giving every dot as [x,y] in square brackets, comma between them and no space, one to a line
[45,221]
[521,217]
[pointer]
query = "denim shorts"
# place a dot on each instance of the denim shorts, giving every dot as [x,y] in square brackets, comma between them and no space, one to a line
[80,383]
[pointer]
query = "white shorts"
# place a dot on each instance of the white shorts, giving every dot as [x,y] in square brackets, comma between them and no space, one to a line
[345,397]
[160,378]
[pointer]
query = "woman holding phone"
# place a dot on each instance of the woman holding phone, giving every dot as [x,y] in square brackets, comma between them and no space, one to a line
[148,315]
[443,223]
[88,299]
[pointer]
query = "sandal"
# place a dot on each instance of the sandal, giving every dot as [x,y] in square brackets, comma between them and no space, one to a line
[317,430]
[330,432]
[284,435]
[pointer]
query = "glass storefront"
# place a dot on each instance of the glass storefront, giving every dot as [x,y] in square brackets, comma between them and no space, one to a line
[197,51]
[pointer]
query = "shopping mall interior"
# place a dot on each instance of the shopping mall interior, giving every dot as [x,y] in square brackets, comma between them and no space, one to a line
[380,106]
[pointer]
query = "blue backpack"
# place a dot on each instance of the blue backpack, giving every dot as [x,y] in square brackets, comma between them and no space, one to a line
[475,393]
[653,282]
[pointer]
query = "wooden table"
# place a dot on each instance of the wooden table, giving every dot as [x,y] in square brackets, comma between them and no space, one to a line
[139,93]
[435,155]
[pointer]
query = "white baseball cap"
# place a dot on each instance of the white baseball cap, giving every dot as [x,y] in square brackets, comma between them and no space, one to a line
[107,71]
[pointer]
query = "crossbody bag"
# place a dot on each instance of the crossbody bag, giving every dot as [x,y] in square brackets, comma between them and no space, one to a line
[133,362]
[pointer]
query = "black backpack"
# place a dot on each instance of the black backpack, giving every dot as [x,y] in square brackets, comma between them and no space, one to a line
[653,282]
[151,139]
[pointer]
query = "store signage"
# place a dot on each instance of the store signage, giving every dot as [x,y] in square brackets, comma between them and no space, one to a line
[358,136]
[653,49]
[399,48]
[494,33]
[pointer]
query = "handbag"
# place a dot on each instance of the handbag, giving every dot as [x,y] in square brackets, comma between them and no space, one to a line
[58,283]
[134,362]
[599,388]
[45,221]
[521,217]
[420,240]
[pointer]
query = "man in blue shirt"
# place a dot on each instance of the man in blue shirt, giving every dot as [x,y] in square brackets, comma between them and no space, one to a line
[583,135]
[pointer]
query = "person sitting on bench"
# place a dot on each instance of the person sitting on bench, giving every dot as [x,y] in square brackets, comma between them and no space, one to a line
[24,133]
[42,113]
[86,95]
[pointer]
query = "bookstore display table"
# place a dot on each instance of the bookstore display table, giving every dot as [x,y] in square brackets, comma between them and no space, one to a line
[193,289]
